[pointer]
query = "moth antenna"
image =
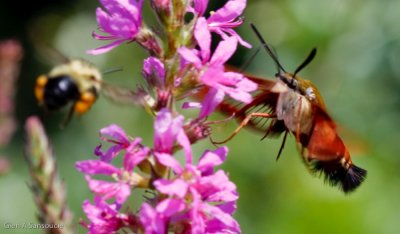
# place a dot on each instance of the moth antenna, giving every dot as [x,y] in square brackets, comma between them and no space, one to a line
[268,49]
[309,58]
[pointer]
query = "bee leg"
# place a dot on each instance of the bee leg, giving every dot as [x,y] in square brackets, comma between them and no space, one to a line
[84,103]
[81,106]
[39,88]
[243,124]
[68,118]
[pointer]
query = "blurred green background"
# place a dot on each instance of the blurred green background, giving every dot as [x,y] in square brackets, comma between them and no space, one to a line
[357,70]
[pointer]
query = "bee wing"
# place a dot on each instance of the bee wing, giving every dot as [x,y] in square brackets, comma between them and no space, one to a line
[138,97]
[50,55]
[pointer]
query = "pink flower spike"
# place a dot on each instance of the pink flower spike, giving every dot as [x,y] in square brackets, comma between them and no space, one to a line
[121,20]
[176,187]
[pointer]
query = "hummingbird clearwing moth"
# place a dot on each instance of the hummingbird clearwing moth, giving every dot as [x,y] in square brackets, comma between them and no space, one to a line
[293,105]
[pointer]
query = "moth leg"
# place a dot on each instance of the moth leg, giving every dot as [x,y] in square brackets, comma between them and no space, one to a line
[243,124]
[282,145]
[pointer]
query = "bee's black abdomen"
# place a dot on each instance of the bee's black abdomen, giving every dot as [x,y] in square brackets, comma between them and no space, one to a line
[335,174]
[59,91]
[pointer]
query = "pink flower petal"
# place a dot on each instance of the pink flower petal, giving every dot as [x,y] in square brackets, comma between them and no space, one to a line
[106,48]
[117,190]
[151,221]
[152,66]
[111,153]
[134,156]
[230,11]
[199,7]
[203,38]
[233,33]
[213,98]
[190,56]
[184,141]
[245,84]
[166,130]
[228,207]
[188,105]
[92,167]
[169,161]
[210,159]
[224,51]
[169,207]
[175,187]
[226,220]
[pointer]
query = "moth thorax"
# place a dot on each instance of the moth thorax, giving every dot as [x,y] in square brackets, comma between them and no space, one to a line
[295,110]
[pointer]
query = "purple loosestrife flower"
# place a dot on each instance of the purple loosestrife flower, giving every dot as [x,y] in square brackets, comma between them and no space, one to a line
[167,130]
[155,220]
[212,71]
[104,218]
[121,19]
[224,19]
[124,178]
[115,135]
[209,197]
[154,73]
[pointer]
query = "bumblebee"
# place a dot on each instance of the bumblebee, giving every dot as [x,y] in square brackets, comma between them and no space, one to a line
[77,82]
